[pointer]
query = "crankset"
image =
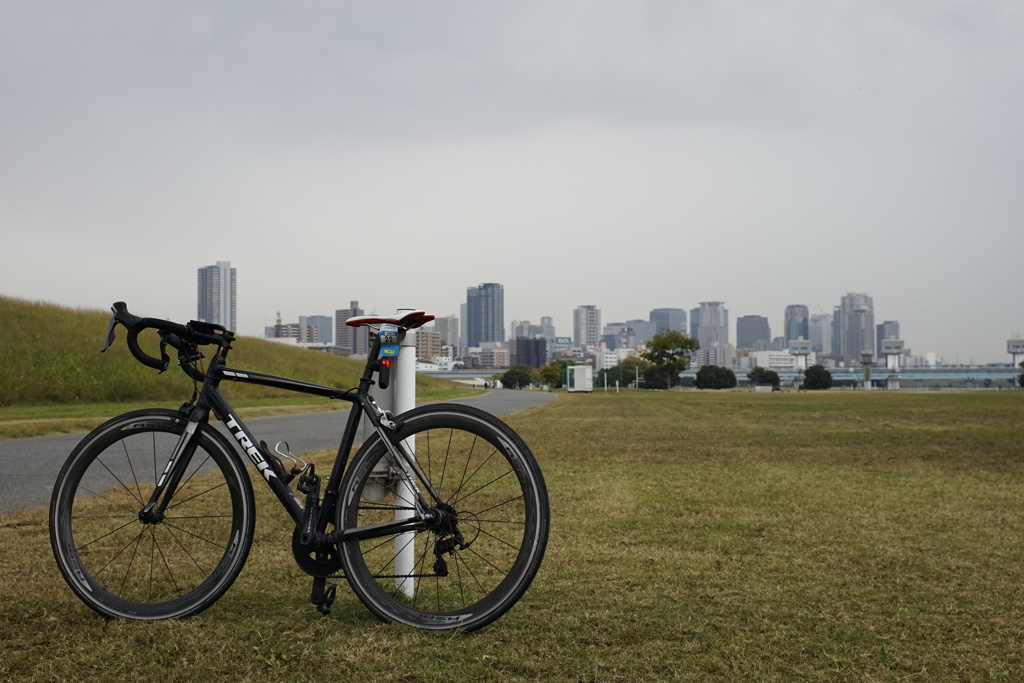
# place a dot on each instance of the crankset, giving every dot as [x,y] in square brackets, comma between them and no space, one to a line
[319,562]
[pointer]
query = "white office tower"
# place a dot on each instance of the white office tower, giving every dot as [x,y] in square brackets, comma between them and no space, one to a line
[216,300]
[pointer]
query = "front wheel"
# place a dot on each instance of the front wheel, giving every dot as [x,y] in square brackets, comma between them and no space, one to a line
[489,530]
[124,563]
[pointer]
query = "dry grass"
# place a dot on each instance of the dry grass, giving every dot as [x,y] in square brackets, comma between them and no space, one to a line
[695,536]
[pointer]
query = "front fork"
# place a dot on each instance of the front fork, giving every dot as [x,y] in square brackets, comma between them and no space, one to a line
[153,511]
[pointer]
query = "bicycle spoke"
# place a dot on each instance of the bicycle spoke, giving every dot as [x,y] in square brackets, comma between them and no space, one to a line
[118,480]
[109,533]
[201,493]
[129,511]
[118,553]
[499,540]
[135,552]
[132,468]
[183,485]
[181,545]
[169,526]
[167,566]
[491,482]
[466,481]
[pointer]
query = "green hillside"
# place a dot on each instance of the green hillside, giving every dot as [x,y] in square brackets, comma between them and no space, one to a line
[50,355]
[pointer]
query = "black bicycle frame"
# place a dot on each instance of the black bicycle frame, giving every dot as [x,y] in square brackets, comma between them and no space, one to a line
[210,399]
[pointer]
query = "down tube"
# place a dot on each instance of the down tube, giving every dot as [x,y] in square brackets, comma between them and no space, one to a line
[249,445]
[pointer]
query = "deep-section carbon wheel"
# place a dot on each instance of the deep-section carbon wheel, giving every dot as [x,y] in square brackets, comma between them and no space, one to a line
[125,564]
[488,532]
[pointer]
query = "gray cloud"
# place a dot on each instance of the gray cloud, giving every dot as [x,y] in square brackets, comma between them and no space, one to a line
[812,148]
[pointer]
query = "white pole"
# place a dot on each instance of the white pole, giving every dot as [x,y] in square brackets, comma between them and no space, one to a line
[405,399]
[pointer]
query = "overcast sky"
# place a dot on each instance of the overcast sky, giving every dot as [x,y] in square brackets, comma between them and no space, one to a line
[630,155]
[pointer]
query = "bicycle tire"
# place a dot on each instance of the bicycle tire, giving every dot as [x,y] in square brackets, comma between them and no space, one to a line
[468,456]
[124,568]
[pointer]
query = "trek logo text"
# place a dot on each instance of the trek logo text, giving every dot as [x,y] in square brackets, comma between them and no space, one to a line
[250,448]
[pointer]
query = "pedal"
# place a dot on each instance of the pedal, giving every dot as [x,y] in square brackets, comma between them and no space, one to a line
[323,595]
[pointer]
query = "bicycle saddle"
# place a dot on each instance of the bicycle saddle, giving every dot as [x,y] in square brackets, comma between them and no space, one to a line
[409,321]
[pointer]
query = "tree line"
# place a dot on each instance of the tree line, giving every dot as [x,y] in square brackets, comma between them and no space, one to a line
[665,356]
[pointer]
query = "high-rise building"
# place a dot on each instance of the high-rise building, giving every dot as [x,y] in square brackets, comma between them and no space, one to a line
[643,331]
[324,328]
[820,332]
[797,323]
[524,329]
[547,328]
[753,332]
[532,352]
[352,340]
[308,333]
[448,328]
[669,319]
[217,295]
[631,334]
[890,329]
[586,326]
[709,324]
[484,319]
[428,345]
[520,329]
[854,327]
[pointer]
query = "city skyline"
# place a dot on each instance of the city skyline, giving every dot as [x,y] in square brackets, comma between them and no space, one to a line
[718,313]
[632,156]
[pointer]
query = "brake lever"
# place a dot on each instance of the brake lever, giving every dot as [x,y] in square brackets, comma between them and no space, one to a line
[110,333]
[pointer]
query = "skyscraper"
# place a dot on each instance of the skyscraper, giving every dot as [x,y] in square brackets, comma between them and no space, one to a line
[324,328]
[820,329]
[448,327]
[352,339]
[890,329]
[753,332]
[854,327]
[586,326]
[709,324]
[669,319]
[547,328]
[797,323]
[216,295]
[484,319]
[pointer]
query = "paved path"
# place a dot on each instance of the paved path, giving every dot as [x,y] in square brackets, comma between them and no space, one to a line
[29,467]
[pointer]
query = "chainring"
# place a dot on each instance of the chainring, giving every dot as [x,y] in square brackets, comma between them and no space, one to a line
[320,562]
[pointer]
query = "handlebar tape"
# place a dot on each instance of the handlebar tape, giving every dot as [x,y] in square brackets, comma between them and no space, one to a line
[172,333]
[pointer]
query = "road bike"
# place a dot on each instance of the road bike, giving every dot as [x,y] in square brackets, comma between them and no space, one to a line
[439,522]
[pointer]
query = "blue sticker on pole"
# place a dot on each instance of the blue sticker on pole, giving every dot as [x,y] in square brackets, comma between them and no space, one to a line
[388,336]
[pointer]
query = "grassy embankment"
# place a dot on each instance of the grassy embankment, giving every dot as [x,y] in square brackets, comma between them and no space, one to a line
[54,380]
[696,536]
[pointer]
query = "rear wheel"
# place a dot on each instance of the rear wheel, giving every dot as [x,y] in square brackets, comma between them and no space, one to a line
[489,530]
[123,563]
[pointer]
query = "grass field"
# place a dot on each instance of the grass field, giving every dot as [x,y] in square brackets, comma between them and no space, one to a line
[866,536]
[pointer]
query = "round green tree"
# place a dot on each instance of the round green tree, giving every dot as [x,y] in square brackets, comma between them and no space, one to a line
[714,377]
[517,377]
[817,377]
[669,352]
[761,375]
